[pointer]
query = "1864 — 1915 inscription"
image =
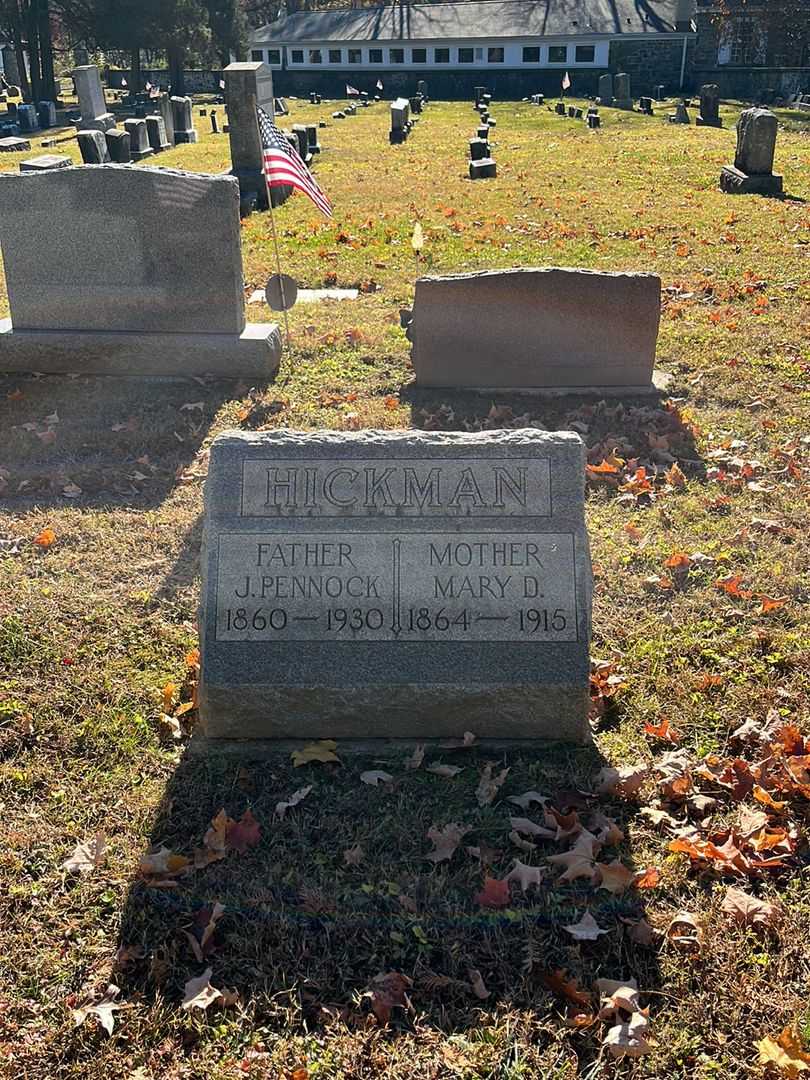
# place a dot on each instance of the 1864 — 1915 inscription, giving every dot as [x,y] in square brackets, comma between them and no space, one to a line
[395,584]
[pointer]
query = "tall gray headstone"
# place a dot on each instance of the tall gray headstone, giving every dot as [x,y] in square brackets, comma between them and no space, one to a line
[248,85]
[622,98]
[156,133]
[164,106]
[90,93]
[138,139]
[709,115]
[605,89]
[395,585]
[184,130]
[752,171]
[124,257]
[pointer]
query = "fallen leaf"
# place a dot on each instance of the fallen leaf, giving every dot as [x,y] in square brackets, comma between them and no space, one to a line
[163,863]
[489,785]
[647,879]
[477,984]
[558,982]
[389,991]
[615,877]
[445,841]
[294,800]
[495,893]
[518,841]
[446,771]
[87,856]
[525,875]
[684,931]
[45,539]
[587,929]
[629,1039]
[414,760]
[624,781]
[530,828]
[323,750]
[103,1010]
[785,1052]
[525,800]
[615,996]
[746,910]
[353,856]
[375,777]
[199,993]
[244,833]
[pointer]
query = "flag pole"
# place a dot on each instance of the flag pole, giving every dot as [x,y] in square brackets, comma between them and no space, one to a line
[278,257]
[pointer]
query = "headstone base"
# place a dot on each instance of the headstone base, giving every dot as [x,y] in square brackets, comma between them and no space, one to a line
[623,103]
[13,145]
[99,123]
[700,122]
[735,182]
[189,136]
[139,155]
[484,169]
[46,161]
[255,353]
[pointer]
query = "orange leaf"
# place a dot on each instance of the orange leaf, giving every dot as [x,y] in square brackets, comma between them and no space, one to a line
[770,603]
[662,731]
[45,539]
[495,894]
[682,250]
[648,879]
[679,560]
[193,657]
[564,987]
[731,585]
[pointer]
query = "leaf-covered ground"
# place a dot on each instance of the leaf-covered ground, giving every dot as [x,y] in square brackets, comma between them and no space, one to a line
[341,941]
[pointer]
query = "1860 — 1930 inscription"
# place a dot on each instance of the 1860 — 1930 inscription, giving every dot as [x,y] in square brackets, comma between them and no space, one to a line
[408,584]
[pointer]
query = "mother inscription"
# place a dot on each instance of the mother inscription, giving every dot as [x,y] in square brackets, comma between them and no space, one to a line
[395,584]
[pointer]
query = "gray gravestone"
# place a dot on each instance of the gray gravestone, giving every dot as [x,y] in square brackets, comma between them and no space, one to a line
[622,98]
[536,328]
[606,89]
[709,115]
[300,131]
[752,171]
[12,144]
[27,119]
[184,131]
[90,93]
[156,133]
[46,111]
[45,162]
[681,114]
[312,138]
[118,145]
[248,85]
[479,149]
[483,169]
[139,146]
[400,115]
[395,585]
[93,147]
[124,257]
[164,107]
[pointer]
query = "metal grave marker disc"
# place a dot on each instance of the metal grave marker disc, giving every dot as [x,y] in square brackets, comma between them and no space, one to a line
[280,292]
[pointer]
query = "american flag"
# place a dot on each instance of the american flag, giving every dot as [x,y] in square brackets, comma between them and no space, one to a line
[283,166]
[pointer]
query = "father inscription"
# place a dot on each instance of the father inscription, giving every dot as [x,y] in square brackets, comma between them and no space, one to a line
[395,584]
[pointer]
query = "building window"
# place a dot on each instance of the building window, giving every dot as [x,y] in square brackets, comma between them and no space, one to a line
[742,42]
[557,54]
[531,55]
[465,56]
[495,56]
[274,56]
[441,56]
[375,56]
[418,56]
[297,56]
[335,56]
[586,54]
[396,56]
[314,56]
[257,56]
[355,56]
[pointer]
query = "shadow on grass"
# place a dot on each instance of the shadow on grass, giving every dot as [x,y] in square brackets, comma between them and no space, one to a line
[122,441]
[305,931]
[650,432]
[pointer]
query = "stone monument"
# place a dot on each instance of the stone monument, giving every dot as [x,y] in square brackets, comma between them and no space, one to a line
[90,93]
[709,115]
[622,98]
[93,146]
[248,85]
[382,584]
[548,329]
[752,171]
[142,270]
[138,139]
[605,89]
[184,130]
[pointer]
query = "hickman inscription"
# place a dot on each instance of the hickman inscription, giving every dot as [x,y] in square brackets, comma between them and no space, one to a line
[399,584]
[369,487]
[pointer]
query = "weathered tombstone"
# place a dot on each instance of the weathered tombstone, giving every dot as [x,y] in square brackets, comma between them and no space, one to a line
[139,146]
[572,111]
[44,162]
[594,121]
[214,122]
[124,257]
[118,145]
[606,89]
[622,98]
[184,131]
[709,115]
[559,108]
[483,169]
[90,93]
[492,122]
[46,113]
[279,104]
[312,139]
[27,119]
[395,585]
[752,171]
[249,86]
[482,132]
[479,93]
[645,105]
[164,107]
[659,92]
[415,104]
[479,149]
[156,134]
[302,141]
[536,328]
[399,120]
[578,114]
[12,144]
[422,88]
[93,146]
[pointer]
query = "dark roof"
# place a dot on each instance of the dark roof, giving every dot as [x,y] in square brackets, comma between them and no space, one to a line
[479,19]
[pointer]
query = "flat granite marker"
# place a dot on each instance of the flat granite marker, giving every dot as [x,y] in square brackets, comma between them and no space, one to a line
[383,584]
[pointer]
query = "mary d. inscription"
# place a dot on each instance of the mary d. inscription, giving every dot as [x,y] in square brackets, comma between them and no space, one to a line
[408,584]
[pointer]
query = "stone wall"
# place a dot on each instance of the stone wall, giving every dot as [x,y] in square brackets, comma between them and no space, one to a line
[197,82]
[746,83]
[652,63]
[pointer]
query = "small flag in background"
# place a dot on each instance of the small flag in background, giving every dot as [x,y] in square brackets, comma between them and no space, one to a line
[351,91]
[284,167]
[379,84]
[124,82]
[222,84]
[566,83]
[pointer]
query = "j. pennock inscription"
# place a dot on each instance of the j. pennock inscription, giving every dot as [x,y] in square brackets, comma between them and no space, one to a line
[408,584]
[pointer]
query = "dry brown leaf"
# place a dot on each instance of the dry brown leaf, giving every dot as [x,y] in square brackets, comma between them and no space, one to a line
[785,1052]
[587,929]
[103,1010]
[323,750]
[389,991]
[489,785]
[746,910]
[375,777]
[477,984]
[530,828]
[684,931]
[438,769]
[615,996]
[199,993]
[414,760]
[629,1039]
[615,877]
[622,782]
[445,841]
[525,875]
[296,797]
[525,800]
[87,856]
[524,845]
[494,894]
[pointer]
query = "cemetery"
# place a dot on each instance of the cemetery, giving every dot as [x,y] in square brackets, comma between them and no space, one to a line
[405,613]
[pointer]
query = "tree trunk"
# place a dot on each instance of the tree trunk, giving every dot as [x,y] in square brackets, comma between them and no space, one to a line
[177,81]
[135,78]
[48,87]
[32,28]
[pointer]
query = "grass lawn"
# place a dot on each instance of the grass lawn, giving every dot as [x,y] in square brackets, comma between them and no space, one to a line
[97,632]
